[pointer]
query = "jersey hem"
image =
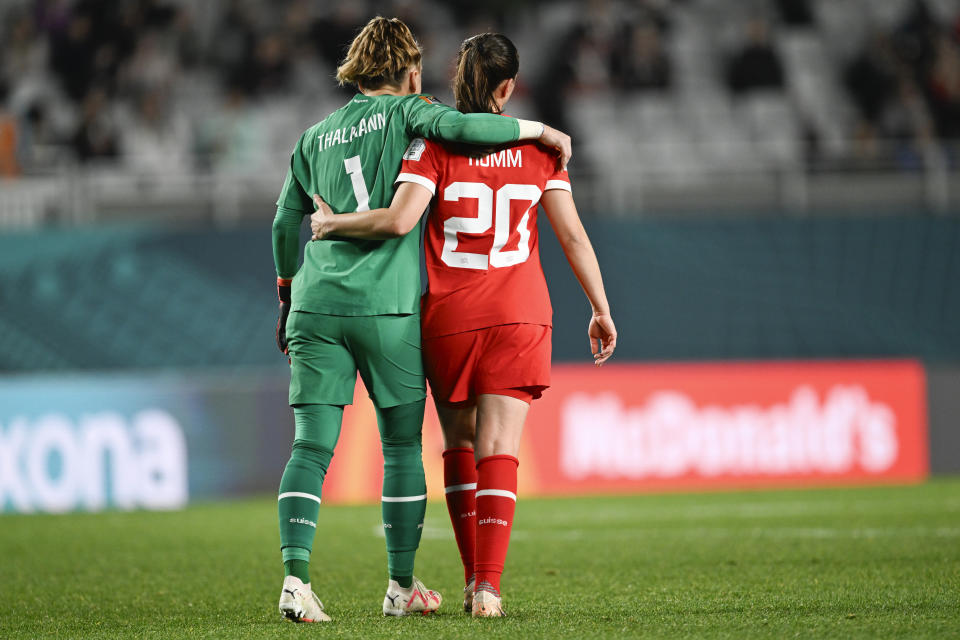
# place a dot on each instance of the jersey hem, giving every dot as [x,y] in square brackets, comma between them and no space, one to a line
[353,313]
[430,334]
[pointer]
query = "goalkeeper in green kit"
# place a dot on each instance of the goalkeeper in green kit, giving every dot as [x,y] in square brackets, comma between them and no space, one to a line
[354,304]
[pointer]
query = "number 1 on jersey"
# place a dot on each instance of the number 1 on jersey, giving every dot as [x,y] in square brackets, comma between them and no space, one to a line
[355,171]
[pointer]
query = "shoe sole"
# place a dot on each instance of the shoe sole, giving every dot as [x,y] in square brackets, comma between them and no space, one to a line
[293,616]
[401,614]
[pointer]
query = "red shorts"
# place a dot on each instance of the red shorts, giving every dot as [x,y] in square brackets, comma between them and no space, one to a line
[510,359]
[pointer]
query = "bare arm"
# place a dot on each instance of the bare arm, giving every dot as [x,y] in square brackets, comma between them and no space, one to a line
[409,203]
[562,213]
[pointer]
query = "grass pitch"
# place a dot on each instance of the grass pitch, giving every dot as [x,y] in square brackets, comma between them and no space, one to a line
[880,562]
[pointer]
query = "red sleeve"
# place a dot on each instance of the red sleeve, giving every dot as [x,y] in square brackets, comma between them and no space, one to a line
[421,164]
[560,179]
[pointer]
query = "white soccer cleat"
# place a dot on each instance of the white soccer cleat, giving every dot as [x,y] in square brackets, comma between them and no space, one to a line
[468,595]
[299,603]
[416,599]
[486,604]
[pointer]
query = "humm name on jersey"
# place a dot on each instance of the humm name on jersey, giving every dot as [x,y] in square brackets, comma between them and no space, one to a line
[341,136]
[503,158]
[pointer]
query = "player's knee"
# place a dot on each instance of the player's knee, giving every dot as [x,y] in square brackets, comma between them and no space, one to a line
[401,425]
[403,454]
[459,433]
[311,453]
[496,445]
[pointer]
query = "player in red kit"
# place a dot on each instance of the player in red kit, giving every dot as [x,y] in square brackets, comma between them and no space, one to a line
[486,316]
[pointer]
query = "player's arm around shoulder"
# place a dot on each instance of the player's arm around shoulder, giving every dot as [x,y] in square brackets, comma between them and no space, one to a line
[397,220]
[428,118]
[418,182]
[562,212]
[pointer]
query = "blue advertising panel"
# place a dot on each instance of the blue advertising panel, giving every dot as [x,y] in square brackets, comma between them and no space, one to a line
[139,441]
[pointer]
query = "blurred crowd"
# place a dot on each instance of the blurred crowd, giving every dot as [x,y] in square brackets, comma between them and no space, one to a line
[894,65]
[123,81]
[905,83]
[155,84]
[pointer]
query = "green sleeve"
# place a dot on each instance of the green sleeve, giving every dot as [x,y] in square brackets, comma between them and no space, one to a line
[427,118]
[293,196]
[286,242]
[292,205]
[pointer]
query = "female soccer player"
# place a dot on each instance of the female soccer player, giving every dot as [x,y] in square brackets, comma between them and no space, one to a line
[486,314]
[354,305]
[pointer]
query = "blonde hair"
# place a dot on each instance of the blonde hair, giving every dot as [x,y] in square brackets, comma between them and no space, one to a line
[381,54]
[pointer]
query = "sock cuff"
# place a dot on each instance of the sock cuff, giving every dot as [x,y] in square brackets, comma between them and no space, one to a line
[454,450]
[459,469]
[496,458]
[295,553]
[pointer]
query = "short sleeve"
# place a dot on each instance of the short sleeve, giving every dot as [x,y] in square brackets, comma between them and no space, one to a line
[293,196]
[421,164]
[560,179]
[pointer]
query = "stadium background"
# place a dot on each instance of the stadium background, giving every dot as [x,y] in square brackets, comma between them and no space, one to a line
[771,187]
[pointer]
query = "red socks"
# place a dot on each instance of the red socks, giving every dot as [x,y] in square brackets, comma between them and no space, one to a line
[460,485]
[496,501]
[481,500]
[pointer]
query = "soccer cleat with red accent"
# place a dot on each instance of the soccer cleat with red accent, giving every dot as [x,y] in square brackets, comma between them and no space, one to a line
[299,603]
[486,604]
[415,599]
[468,594]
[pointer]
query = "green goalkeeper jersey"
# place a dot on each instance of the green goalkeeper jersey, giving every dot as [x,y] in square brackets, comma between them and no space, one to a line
[351,159]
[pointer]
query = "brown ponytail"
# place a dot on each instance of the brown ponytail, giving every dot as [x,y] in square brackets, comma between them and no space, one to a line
[483,62]
[380,55]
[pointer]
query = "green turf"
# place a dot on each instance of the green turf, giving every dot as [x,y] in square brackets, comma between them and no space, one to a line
[870,563]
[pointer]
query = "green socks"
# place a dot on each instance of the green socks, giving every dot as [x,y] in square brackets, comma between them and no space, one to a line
[404,488]
[404,498]
[317,431]
[298,569]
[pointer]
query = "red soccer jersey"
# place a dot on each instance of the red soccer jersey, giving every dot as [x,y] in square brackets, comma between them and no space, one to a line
[482,249]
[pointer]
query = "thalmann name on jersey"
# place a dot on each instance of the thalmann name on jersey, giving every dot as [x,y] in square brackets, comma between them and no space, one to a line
[342,136]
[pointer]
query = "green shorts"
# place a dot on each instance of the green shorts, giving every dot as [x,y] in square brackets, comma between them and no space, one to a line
[327,351]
